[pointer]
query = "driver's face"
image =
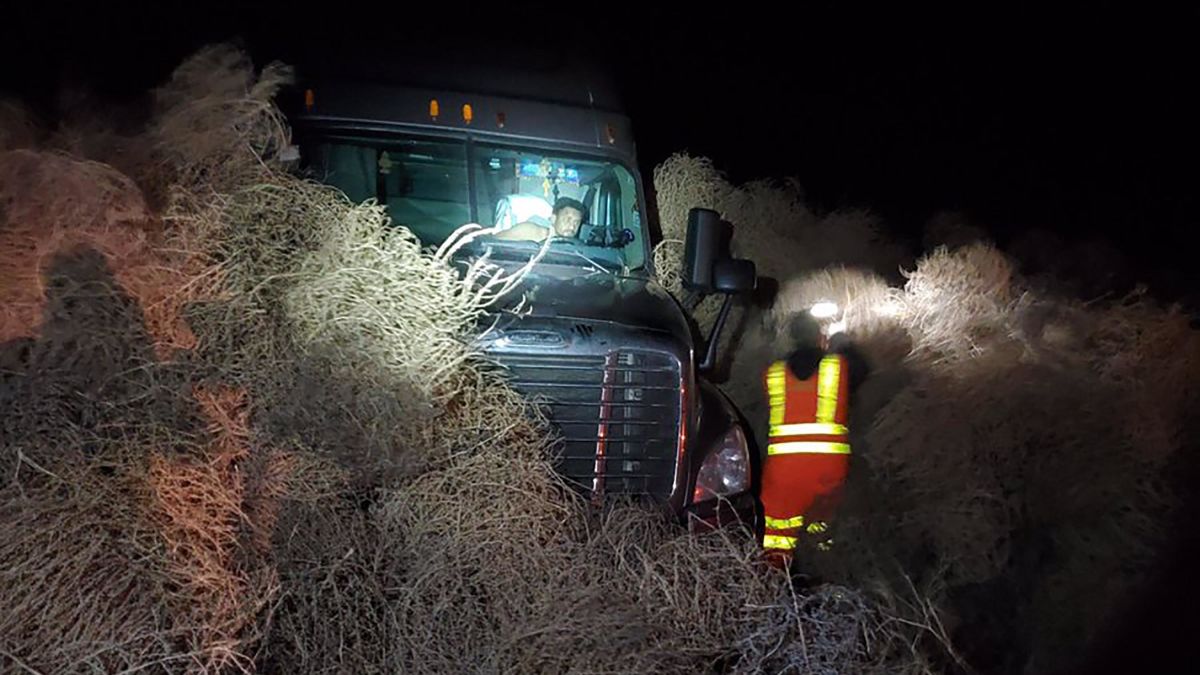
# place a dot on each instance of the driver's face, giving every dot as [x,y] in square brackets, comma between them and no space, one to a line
[567,221]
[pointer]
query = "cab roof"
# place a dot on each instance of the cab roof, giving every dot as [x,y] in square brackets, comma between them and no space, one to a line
[523,95]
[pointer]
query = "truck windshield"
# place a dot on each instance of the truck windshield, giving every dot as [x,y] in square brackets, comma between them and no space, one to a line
[434,186]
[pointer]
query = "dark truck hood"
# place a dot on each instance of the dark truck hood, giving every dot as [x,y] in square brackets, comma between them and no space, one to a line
[631,302]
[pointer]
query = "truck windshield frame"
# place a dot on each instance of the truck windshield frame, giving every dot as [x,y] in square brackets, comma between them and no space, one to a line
[433,183]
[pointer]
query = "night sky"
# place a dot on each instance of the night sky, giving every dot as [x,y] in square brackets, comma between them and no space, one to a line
[1082,122]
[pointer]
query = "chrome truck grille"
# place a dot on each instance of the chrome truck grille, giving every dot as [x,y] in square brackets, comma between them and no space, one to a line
[618,416]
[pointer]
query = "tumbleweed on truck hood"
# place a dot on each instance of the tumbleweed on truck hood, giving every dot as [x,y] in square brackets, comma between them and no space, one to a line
[633,302]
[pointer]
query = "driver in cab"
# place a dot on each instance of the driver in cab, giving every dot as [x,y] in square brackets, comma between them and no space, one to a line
[565,218]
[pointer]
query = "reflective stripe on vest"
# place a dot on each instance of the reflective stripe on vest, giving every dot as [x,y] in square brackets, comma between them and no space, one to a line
[816,447]
[784,523]
[828,383]
[810,428]
[776,541]
[777,391]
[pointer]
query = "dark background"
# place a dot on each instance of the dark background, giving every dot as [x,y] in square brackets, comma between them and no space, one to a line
[1081,121]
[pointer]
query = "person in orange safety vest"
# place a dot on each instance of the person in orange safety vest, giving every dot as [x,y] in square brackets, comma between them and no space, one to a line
[808,447]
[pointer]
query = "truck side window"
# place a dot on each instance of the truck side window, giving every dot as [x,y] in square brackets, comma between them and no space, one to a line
[423,183]
[632,219]
[351,168]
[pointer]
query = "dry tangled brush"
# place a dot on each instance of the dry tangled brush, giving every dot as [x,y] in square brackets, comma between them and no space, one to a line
[1012,444]
[772,226]
[243,426]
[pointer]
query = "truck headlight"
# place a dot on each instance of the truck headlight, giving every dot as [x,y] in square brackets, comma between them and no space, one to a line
[726,470]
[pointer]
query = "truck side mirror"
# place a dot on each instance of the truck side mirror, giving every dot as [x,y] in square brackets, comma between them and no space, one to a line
[732,276]
[707,239]
[709,267]
[708,264]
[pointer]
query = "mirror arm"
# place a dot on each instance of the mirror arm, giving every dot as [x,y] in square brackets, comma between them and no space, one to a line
[710,352]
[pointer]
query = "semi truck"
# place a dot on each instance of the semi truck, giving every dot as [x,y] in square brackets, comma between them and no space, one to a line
[613,359]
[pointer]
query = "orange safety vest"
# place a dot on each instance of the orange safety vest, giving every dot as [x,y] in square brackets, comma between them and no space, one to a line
[808,451]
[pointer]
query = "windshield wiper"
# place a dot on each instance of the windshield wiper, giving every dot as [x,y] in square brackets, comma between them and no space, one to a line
[568,254]
[507,250]
[604,267]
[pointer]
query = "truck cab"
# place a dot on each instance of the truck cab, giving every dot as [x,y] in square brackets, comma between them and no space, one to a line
[610,356]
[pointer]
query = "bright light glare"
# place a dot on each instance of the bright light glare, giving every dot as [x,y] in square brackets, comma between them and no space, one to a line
[824,310]
[836,327]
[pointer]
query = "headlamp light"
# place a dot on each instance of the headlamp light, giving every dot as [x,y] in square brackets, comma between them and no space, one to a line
[824,310]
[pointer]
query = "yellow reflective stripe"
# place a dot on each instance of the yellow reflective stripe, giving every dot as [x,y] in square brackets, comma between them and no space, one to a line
[816,528]
[778,541]
[825,545]
[778,370]
[777,390]
[809,428]
[784,523]
[827,388]
[819,447]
